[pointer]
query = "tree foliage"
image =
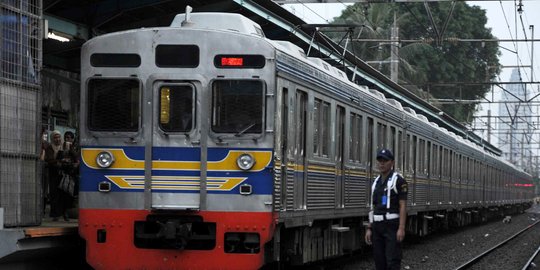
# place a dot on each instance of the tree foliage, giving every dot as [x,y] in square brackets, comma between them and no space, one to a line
[434,59]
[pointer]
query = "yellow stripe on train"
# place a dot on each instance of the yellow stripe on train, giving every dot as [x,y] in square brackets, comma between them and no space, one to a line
[176,182]
[123,162]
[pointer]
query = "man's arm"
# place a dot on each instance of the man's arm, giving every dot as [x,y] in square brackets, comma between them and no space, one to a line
[402,220]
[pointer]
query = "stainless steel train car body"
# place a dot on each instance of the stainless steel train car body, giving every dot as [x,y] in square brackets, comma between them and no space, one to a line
[315,151]
[143,42]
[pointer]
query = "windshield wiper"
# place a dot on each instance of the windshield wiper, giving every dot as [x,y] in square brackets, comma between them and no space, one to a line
[239,133]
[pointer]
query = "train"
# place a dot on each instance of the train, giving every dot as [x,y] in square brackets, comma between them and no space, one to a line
[206,145]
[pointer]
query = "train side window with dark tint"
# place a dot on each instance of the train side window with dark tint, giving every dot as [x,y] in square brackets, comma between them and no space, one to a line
[113,105]
[115,60]
[237,106]
[321,128]
[177,56]
[176,108]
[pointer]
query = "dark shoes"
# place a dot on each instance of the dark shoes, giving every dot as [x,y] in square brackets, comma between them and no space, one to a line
[66,219]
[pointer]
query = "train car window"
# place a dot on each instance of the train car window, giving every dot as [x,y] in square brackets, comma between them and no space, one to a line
[381,136]
[316,129]
[458,167]
[396,147]
[429,159]
[237,106]
[400,151]
[115,60]
[360,144]
[113,104]
[340,130]
[355,138]
[470,167]
[176,108]
[321,124]
[407,158]
[455,164]
[325,128]
[435,161]
[421,168]
[392,142]
[445,164]
[413,149]
[471,171]
[448,163]
[436,168]
[464,169]
[477,170]
[353,135]
[368,153]
[177,56]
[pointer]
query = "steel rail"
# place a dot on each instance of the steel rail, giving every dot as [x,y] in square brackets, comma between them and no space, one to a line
[529,262]
[477,258]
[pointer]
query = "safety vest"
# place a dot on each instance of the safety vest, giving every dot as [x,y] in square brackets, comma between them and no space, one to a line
[390,185]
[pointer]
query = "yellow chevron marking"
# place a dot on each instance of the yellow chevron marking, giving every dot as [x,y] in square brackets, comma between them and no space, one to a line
[176,182]
[123,162]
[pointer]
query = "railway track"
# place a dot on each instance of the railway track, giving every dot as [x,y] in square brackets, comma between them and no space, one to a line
[530,262]
[484,255]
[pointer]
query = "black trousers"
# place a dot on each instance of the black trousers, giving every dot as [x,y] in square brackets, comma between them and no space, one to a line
[60,200]
[386,248]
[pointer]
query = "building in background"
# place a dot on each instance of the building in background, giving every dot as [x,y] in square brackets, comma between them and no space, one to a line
[514,123]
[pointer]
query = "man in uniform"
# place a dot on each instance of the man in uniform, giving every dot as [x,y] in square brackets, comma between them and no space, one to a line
[388,214]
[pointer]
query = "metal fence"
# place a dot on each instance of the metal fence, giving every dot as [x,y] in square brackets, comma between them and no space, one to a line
[20,111]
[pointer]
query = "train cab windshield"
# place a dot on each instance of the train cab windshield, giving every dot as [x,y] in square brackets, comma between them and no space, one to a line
[237,107]
[113,104]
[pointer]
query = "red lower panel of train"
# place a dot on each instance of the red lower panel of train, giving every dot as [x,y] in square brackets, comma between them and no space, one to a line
[140,239]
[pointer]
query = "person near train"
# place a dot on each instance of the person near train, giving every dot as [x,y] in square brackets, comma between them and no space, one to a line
[61,161]
[388,215]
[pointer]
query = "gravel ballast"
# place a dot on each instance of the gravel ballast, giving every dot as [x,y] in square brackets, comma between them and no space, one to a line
[450,249]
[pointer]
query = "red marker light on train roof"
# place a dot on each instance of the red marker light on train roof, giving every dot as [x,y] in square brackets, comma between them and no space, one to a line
[232,61]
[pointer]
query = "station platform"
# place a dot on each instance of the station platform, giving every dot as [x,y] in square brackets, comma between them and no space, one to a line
[47,242]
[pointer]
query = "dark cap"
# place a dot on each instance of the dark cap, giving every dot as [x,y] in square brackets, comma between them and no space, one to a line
[385,154]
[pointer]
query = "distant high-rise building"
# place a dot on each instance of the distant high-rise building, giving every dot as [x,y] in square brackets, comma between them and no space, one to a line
[514,123]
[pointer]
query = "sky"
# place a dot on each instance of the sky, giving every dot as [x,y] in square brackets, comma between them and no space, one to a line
[502,19]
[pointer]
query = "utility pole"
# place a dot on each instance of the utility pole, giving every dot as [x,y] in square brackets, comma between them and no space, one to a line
[532,51]
[394,51]
[489,126]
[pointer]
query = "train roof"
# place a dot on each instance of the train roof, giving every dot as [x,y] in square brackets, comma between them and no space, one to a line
[239,24]
[218,21]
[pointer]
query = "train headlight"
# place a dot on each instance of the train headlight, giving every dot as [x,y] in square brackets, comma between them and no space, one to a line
[245,162]
[105,159]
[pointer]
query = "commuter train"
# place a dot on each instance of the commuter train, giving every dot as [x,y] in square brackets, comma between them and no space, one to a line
[205,145]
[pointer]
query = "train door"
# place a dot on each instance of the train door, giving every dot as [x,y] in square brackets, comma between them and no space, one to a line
[399,152]
[369,155]
[464,179]
[339,145]
[300,115]
[413,165]
[408,167]
[175,123]
[283,148]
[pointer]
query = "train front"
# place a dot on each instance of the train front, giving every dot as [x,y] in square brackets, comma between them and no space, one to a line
[176,138]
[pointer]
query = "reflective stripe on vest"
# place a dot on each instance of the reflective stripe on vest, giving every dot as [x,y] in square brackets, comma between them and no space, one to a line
[390,185]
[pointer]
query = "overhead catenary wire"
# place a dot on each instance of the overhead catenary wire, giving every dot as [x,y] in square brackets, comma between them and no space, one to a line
[513,39]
